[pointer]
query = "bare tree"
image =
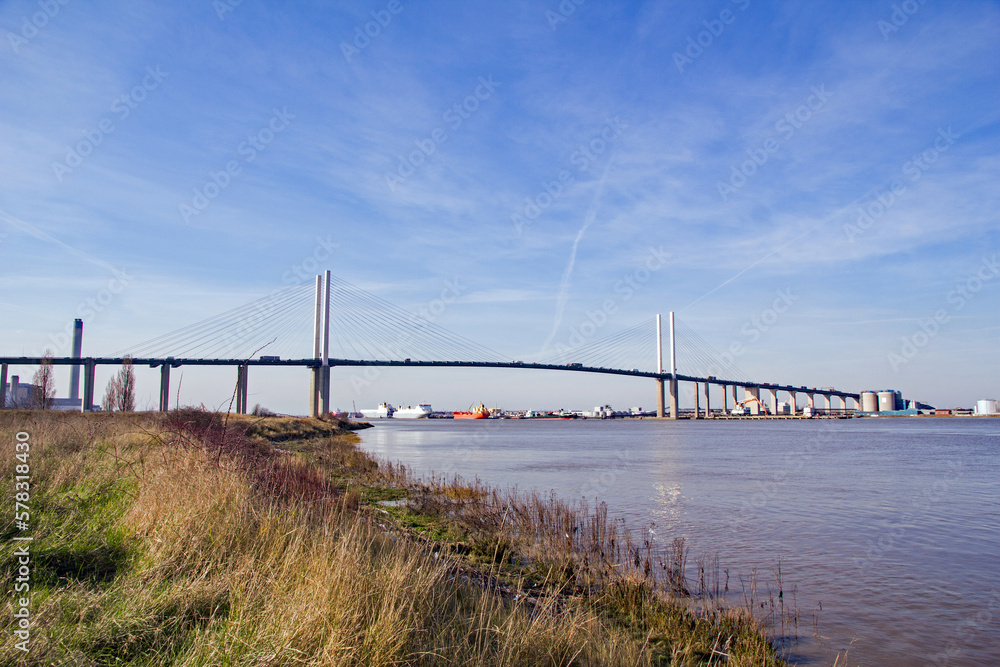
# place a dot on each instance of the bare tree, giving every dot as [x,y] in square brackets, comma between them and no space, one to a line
[120,394]
[45,384]
[110,395]
[126,386]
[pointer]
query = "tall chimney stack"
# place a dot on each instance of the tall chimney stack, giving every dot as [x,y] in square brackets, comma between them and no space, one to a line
[74,373]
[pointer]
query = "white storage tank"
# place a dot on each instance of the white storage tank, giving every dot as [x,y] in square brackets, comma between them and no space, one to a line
[987,406]
[869,401]
[886,401]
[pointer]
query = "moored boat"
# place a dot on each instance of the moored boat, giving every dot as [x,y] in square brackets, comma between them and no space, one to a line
[422,411]
[548,416]
[478,412]
[383,411]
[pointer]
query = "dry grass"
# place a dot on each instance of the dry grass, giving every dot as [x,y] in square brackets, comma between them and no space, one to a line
[193,540]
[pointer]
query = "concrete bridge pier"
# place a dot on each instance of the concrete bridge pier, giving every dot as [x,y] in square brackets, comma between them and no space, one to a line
[725,399]
[241,389]
[708,409]
[791,400]
[319,391]
[660,398]
[673,398]
[324,390]
[732,388]
[697,408]
[774,401]
[3,386]
[315,375]
[87,399]
[165,387]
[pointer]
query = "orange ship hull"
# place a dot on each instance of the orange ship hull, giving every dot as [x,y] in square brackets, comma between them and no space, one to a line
[478,412]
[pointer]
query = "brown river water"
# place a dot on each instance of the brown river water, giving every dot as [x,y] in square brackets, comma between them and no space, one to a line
[887,530]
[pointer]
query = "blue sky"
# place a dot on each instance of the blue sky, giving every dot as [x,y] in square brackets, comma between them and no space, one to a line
[165,162]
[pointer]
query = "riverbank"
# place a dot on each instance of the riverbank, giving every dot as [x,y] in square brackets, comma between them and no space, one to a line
[190,539]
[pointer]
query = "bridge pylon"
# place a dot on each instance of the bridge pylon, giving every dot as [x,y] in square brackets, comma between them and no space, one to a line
[319,394]
[673,369]
[660,397]
[659,368]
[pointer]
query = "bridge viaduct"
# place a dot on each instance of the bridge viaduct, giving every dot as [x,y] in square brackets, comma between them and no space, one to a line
[667,380]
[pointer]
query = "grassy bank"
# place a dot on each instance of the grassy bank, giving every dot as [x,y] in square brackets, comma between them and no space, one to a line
[189,539]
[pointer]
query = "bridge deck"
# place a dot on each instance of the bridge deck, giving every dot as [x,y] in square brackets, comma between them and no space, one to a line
[315,363]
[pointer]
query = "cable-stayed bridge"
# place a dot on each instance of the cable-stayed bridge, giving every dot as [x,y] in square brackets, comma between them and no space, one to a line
[348,326]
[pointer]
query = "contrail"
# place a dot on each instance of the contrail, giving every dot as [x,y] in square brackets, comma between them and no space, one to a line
[31,230]
[564,285]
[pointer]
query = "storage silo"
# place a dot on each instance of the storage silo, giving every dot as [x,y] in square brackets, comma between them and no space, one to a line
[869,401]
[987,406]
[886,401]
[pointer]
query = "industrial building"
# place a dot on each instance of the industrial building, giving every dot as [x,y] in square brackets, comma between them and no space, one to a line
[887,402]
[17,394]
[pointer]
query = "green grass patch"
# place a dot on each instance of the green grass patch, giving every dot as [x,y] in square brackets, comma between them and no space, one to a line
[427,525]
[376,494]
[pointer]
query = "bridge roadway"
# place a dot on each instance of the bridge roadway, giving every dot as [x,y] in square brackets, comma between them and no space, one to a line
[89,363]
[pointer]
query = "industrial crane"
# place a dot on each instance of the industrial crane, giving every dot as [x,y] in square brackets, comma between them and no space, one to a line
[742,407]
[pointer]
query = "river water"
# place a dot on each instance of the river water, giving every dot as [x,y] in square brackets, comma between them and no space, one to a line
[888,530]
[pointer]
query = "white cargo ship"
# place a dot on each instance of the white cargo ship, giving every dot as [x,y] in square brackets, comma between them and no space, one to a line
[422,411]
[383,411]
